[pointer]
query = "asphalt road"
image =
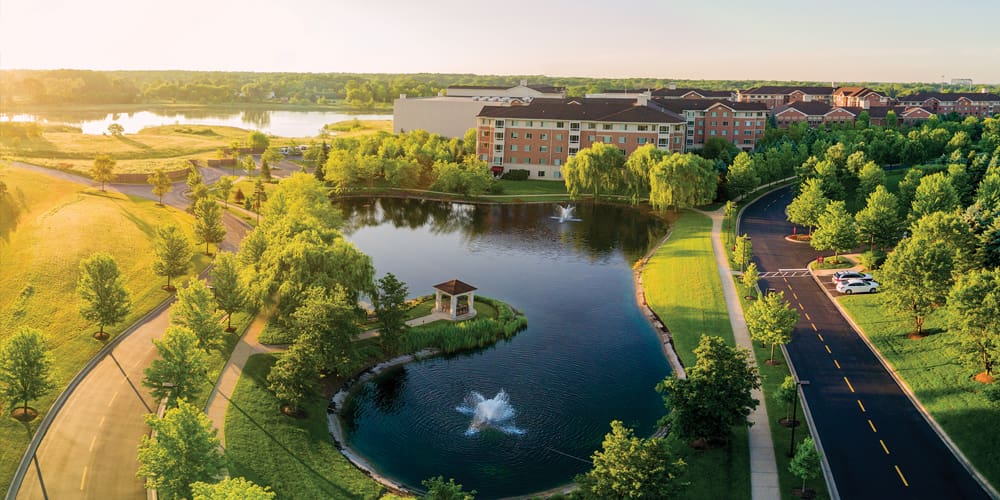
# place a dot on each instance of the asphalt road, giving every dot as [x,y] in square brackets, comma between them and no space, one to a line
[90,449]
[877,443]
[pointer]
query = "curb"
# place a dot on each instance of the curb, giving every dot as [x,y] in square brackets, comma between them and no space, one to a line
[666,339]
[962,459]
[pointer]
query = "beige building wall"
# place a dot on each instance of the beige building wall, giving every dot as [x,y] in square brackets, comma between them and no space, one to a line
[447,116]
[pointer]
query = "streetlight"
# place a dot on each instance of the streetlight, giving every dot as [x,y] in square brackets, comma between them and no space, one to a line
[795,405]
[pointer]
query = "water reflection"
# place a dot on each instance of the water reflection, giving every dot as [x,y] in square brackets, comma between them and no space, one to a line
[602,229]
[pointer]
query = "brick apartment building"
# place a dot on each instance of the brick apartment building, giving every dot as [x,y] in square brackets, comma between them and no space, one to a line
[859,97]
[979,104]
[821,114]
[541,135]
[671,92]
[777,96]
[741,123]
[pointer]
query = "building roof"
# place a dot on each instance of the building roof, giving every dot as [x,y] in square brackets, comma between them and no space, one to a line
[813,108]
[583,108]
[785,90]
[949,96]
[545,89]
[682,105]
[455,287]
[707,94]
[484,87]
[882,111]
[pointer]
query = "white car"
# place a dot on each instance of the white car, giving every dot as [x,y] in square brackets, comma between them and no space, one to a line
[857,286]
[841,276]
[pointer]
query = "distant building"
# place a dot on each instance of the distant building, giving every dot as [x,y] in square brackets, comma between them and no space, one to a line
[667,93]
[450,115]
[741,123]
[962,82]
[775,96]
[859,97]
[963,103]
[822,114]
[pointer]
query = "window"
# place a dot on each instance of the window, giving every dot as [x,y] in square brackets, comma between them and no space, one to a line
[527,148]
[514,123]
[529,123]
[591,126]
[498,148]
[606,139]
[662,143]
[642,128]
[498,124]
[663,128]
[642,140]
[559,137]
[574,126]
[624,126]
[514,135]
[483,157]
[486,133]
[541,173]
[711,132]
[557,174]
[677,140]
[513,159]
[572,151]
[746,132]
[590,138]
[724,132]
[725,114]
[749,123]
[574,139]
[544,137]
[485,145]
[557,162]
[714,114]
[746,141]
[543,149]
[622,139]
[559,149]
[527,160]
[605,126]
[736,132]
[560,124]
[513,147]
[725,124]
[623,151]
[497,160]
[527,135]
[712,124]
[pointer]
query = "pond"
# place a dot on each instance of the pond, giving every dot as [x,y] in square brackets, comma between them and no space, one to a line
[282,123]
[587,357]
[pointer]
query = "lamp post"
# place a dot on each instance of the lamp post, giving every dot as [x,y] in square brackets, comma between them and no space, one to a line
[795,406]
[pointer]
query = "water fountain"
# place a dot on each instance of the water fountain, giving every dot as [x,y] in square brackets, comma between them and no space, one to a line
[565,214]
[496,413]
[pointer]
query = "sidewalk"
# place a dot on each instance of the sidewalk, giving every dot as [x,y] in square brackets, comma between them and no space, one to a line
[763,466]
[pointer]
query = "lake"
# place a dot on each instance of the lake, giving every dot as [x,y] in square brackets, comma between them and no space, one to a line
[587,357]
[282,123]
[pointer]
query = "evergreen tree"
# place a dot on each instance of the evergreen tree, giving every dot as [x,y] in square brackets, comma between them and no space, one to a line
[265,170]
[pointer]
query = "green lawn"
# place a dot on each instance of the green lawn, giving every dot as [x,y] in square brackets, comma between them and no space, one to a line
[217,359]
[944,386]
[532,186]
[689,311]
[46,227]
[295,457]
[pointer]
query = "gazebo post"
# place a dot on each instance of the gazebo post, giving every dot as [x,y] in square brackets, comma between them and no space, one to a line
[454,306]
[437,300]
[472,301]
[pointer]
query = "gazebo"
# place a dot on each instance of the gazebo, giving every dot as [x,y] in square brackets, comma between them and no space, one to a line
[455,290]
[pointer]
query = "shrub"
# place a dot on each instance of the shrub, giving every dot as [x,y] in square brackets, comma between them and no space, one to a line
[872,259]
[516,174]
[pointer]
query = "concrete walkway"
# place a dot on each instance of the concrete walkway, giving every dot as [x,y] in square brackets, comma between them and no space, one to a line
[763,466]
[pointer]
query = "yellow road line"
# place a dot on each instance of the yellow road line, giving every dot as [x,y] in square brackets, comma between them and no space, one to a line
[786,281]
[838,364]
[872,425]
[800,306]
[828,349]
[113,398]
[862,406]
[102,422]
[849,386]
[901,477]
[83,478]
[820,337]
[814,326]
[808,318]
[883,446]
[796,296]
[92,443]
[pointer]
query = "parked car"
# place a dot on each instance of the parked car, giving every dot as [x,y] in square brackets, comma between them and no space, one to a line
[840,276]
[858,286]
[285,150]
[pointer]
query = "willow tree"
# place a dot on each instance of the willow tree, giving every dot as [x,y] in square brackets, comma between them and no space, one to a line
[595,170]
[682,181]
[637,168]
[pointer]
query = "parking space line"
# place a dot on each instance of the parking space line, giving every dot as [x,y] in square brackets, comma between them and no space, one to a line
[849,386]
[901,477]
[862,407]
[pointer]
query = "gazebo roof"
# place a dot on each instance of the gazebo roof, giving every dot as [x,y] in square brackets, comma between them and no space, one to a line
[455,287]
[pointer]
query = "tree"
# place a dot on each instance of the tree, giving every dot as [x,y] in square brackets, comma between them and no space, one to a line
[742,176]
[249,165]
[438,489]
[595,169]
[294,378]
[715,396]
[805,464]
[229,294]
[25,366]
[195,309]
[974,317]
[194,179]
[116,130]
[265,170]
[750,277]
[632,467]
[180,370]
[234,148]
[208,226]
[184,449]
[224,187]
[934,194]
[908,189]
[771,321]
[161,183]
[786,394]
[327,322]
[955,232]
[231,488]
[390,308]
[916,278]
[103,170]
[807,207]
[258,141]
[682,181]
[879,221]
[743,251]
[864,119]
[891,119]
[273,156]
[837,230]
[637,169]
[870,177]
[259,196]
[173,253]
[103,291]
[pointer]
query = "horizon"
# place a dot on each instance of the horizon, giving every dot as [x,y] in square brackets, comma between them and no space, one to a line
[779,41]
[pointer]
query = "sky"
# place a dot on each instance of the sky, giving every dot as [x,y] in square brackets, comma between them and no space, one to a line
[882,40]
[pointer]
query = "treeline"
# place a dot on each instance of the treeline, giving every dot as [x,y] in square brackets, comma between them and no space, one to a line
[355,89]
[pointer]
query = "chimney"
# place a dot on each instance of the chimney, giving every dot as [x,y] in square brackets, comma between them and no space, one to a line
[642,99]
[524,83]
[672,86]
[402,96]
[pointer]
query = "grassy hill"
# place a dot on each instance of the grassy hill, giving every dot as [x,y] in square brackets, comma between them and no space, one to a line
[46,227]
